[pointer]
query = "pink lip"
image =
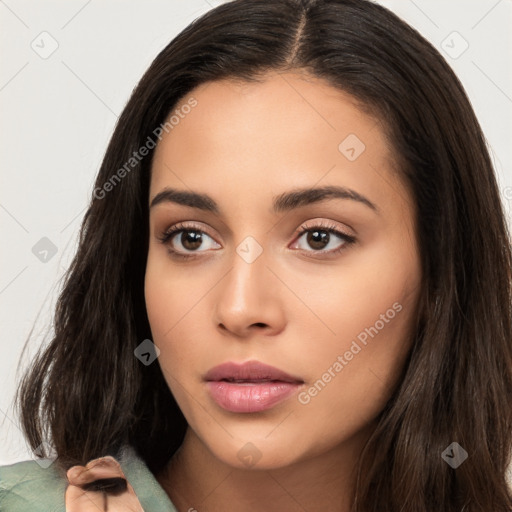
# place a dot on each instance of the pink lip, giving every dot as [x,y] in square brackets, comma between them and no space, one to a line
[258,386]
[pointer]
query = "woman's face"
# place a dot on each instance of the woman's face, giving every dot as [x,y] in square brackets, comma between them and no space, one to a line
[335,312]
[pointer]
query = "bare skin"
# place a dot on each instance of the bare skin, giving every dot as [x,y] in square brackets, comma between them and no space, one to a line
[298,306]
[82,494]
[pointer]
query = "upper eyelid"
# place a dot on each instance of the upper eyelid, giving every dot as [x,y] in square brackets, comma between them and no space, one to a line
[327,225]
[310,223]
[306,225]
[184,226]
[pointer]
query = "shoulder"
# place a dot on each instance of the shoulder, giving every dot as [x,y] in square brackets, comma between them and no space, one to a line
[151,495]
[31,485]
[41,485]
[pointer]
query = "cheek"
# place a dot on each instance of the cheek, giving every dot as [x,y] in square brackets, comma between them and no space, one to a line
[166,302]
[174,312]
[175,301]
[171,293]
[351,377]
[368,308]
[346,299]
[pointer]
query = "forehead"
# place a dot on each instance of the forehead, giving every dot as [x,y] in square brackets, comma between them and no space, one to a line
[287,128]
[306,106]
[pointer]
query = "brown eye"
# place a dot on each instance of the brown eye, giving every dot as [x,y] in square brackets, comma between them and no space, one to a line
[190,240]
[319,238]
[186,240]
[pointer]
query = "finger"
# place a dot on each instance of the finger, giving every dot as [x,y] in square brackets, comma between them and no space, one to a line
[104,467]
[100,486]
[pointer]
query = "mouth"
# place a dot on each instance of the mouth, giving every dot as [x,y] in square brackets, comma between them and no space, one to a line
[250,371]
[249,381]
[249,387]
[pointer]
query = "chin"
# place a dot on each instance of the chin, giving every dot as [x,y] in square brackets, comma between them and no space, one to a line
[256,454]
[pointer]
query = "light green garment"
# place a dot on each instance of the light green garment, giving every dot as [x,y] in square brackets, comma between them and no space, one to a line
[29,487]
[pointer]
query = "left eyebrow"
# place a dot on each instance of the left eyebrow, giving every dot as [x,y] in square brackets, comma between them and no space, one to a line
[281,203]
[301,197]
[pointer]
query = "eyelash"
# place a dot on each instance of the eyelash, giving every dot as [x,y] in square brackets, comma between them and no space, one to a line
[167,235]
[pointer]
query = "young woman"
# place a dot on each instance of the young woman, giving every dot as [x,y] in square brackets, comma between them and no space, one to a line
[292,289]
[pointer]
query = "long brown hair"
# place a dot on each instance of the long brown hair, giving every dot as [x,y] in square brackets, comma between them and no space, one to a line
[87,393]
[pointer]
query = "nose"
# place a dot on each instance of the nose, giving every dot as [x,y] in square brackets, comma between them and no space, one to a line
[249,299]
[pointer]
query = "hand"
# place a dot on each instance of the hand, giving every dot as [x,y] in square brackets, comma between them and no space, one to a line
[100,486]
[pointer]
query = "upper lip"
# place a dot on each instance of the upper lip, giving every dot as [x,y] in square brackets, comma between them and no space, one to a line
[251,371]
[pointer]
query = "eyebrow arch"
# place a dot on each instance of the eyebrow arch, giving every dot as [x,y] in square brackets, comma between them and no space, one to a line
[281,203]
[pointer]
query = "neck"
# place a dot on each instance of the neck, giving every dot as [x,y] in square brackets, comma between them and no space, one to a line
[196,479]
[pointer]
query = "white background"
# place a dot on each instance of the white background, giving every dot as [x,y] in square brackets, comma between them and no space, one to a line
[57,115]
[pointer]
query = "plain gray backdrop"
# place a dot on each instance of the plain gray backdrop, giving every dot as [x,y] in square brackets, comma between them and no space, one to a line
[67,71]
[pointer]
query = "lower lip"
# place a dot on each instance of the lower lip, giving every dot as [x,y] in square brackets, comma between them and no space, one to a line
[250,397]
